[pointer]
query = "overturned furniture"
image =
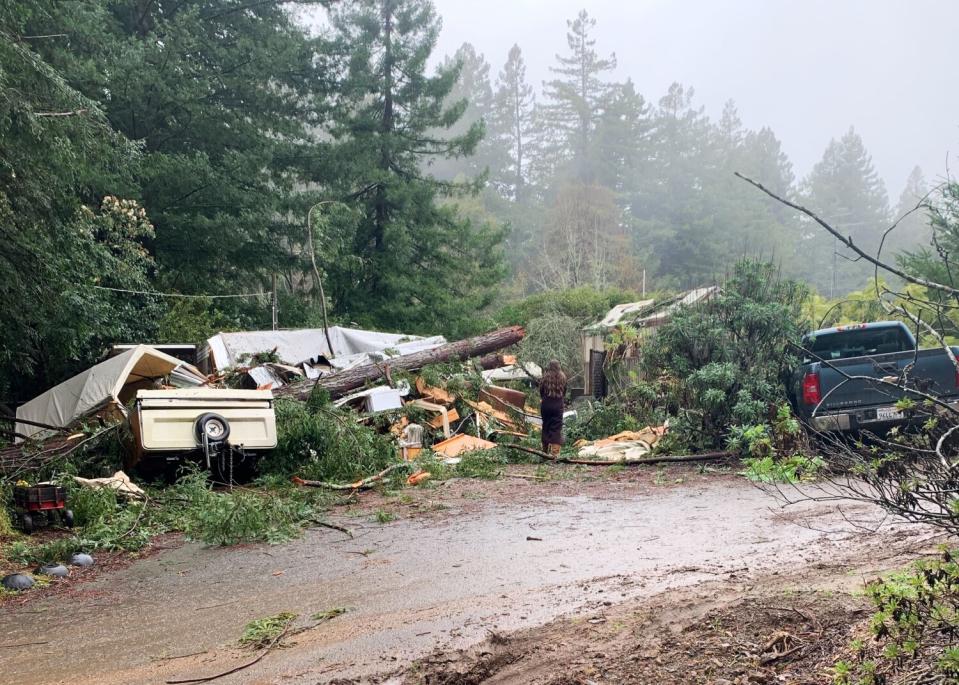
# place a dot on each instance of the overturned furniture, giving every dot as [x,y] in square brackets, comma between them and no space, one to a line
[226,429]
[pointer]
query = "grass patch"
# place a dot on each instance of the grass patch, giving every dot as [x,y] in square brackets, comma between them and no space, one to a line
[383,516]
[262,632]
[328,615]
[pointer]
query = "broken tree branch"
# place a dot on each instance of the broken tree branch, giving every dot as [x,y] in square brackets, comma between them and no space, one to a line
[206,679]
[37,424]
[848,241]
[61,114]
[358,485]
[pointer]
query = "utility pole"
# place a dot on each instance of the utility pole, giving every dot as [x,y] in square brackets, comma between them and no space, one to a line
[273,304]
[316,271]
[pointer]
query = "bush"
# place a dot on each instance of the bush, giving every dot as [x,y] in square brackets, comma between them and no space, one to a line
[584,305]
[914,629]
[554,336]
[322,442]
[725,362]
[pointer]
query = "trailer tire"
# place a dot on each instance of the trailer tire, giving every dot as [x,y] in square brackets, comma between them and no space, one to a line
[216,428]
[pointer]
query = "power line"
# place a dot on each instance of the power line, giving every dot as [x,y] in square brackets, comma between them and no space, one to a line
[181,295]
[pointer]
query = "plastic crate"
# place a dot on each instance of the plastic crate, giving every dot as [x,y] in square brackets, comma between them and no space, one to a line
[39,497]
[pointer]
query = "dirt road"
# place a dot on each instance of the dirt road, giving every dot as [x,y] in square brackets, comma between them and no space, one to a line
[460,561]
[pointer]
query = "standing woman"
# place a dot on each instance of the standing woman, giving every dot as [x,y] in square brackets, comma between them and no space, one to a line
[552,390]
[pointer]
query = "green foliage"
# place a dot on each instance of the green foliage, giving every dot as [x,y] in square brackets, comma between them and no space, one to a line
[600,419]
[381,516]
[262,632]
[773,452]
[914,627]
[410,261]
[723,363]
[193,320]
[325,443]
[329,614]
[584,305]
[554,336]
[790,469]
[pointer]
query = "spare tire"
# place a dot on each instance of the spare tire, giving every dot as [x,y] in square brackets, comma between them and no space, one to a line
[215,427]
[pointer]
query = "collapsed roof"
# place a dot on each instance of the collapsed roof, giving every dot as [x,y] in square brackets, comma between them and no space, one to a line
[649,313]
[307,349]
[115,381]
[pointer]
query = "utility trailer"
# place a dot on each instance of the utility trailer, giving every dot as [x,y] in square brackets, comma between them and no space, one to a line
[225,430]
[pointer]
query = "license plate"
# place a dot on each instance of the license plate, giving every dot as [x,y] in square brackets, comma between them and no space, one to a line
[888,414]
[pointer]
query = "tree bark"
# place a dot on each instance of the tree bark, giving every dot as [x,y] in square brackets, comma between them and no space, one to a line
[340,384]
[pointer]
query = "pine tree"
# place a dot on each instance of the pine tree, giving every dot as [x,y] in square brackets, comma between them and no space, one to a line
[475,89]
[846,191]
[576,99]
[914,229]
[669,204]
[219,93]
[511,124]
[621,147]
[414,262]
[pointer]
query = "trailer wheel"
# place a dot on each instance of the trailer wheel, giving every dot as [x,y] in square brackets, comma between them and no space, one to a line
[215,427]
[26,522]
[67,515]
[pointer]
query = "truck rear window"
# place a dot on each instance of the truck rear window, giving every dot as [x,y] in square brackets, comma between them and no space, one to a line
[859,343]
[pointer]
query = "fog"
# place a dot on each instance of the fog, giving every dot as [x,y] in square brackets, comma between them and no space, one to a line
[808,70]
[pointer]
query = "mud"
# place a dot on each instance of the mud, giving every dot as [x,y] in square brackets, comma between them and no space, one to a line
[462,562]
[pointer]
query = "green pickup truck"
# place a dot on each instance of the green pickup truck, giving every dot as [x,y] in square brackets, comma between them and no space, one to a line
[824,396]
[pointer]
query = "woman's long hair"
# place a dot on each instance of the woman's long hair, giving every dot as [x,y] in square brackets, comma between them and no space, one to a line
[554,380]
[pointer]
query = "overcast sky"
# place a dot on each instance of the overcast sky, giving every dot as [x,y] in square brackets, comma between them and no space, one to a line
[806,68]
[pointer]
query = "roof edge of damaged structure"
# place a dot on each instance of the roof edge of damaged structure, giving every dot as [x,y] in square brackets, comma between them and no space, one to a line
[102,385]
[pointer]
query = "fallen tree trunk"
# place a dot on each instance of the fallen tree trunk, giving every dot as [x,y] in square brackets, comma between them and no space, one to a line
[339,384]
[662,459]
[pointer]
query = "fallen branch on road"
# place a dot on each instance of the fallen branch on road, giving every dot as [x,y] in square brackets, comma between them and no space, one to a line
[206,679]
[358,485]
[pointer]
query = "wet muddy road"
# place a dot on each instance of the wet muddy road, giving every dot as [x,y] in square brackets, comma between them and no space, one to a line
[481,561]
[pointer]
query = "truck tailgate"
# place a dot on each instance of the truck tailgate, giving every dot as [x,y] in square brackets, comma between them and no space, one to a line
[933,373]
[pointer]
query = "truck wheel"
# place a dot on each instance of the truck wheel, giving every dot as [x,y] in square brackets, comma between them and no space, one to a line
[215,427]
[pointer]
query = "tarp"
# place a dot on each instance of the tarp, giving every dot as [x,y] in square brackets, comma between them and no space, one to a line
[351,347]
[114,380]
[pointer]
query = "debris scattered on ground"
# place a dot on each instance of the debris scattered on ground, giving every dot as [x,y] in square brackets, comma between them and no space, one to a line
[623,447]
[343,382]
[462,443]
[418,477]
[119,482]
[357,485]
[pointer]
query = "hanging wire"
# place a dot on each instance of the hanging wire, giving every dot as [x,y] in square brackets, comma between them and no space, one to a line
[181,295]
